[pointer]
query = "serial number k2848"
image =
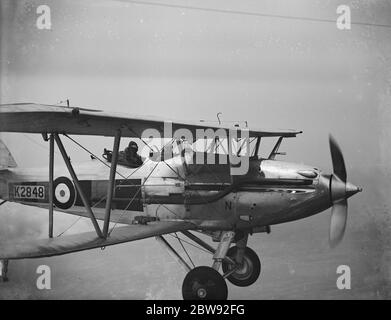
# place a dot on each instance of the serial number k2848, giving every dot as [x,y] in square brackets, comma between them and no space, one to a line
[29,192]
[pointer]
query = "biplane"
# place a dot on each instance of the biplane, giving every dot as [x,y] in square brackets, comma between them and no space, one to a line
[167,195]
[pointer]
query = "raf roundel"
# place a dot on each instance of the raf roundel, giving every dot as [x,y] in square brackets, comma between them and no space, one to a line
[64,193]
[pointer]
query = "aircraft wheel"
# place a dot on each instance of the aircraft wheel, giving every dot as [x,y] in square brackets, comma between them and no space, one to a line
[204,283]
[248,272]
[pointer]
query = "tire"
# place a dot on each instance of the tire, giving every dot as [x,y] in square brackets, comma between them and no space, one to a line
[248,273]
[204,283]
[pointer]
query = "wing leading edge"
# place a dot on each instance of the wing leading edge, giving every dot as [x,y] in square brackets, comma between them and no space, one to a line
[85,241]
[38,118]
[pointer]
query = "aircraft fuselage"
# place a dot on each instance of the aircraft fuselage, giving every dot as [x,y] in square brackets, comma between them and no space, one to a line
[272,192]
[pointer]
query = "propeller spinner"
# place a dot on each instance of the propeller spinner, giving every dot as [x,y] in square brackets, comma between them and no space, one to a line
[340,191]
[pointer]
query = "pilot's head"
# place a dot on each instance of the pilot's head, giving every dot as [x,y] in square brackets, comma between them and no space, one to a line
[133,146]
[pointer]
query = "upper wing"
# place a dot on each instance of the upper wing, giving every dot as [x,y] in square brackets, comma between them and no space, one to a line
[38,118]
[88,240]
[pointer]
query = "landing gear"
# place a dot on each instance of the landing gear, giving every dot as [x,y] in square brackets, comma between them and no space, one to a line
[204,283]
[240,265]
[244,273]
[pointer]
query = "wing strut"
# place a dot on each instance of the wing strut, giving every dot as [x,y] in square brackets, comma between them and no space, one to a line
[110,189]
[51,192]
[257,145]
[275,152]
[77,185]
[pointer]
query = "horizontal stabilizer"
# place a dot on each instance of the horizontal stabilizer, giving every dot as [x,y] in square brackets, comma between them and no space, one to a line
[89,240]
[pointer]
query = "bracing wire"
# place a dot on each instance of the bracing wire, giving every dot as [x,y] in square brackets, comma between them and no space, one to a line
[254,14]
[184,249]
[191,244]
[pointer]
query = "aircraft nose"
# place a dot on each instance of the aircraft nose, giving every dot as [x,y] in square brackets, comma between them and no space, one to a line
[351,189]
[342,190]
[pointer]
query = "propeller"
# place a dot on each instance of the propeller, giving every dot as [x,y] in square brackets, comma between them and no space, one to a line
[337,159]
[340,191]
[339,216]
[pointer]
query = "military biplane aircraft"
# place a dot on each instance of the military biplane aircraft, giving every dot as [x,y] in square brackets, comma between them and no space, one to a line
[166,195]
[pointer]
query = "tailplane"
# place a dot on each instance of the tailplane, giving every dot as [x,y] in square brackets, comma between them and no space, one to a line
[6,159]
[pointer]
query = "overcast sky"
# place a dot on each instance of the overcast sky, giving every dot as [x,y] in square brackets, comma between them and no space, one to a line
[191,64]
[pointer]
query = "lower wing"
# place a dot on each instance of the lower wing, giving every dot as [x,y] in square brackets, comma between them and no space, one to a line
[88,240]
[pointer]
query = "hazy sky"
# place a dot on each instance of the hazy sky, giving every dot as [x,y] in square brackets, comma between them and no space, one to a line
[189,64]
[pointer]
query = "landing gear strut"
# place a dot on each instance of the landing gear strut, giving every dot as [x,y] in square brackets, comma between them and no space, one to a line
[206,283]
[240,265]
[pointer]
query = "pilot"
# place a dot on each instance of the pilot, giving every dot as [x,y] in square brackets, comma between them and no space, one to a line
[131,155]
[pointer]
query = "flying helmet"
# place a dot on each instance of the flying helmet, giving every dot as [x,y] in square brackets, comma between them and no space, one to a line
[133,145]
